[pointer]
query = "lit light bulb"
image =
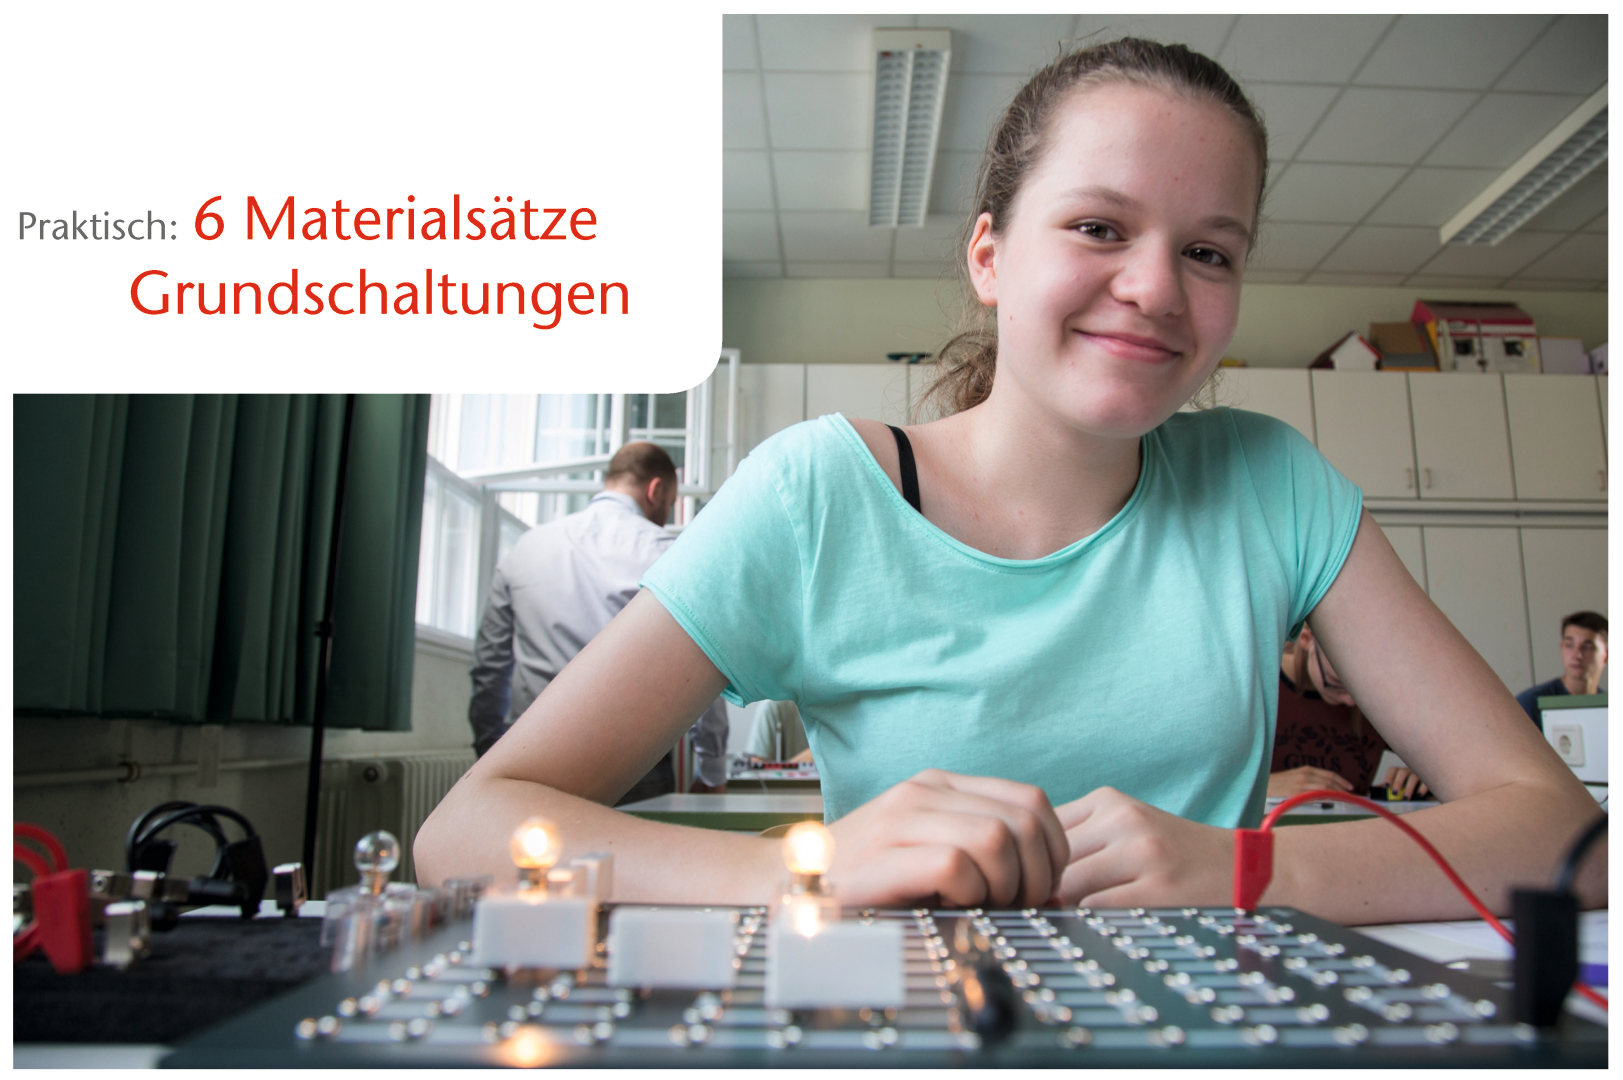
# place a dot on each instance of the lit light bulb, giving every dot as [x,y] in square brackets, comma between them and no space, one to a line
[808,848]
[534,847]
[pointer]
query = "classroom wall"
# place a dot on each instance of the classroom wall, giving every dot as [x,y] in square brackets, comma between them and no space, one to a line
[859,321]
[91,818]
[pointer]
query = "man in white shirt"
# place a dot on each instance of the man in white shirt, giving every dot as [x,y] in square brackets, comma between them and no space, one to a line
[560,584]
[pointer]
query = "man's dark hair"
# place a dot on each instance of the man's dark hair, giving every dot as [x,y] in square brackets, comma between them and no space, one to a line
[1588,620]
[642,462]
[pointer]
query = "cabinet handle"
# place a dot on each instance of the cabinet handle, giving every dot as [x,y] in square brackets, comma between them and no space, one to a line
[1408,478]
[1602,474]
[1425,477]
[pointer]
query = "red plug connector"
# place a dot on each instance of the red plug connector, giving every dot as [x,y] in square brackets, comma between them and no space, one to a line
[1253,866]
[61,897]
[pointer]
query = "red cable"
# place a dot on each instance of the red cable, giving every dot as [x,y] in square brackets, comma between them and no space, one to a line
[1442,863]
[29,859]
[53,846]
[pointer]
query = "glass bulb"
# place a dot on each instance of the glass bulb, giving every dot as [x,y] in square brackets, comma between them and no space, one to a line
[808,848]
[377,853]
[535,844]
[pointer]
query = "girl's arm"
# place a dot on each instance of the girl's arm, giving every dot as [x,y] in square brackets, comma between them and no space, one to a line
[1510,807]
[614,711]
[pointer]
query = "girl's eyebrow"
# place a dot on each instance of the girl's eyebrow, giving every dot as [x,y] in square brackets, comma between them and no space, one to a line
[1217,222]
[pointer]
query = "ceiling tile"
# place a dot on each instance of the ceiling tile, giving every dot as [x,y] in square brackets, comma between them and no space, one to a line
[1501,128]
[839,237]
[749,236]
[973,104]
[952,187]
[1443,281]
[1295,247]
[732,268]
[746,180]
[1506,258]
[819,112]
[839,270]
[1271,277]
[1581,257]
[1449,51]
[1553,285]
[738,43]
[1385,127]
[931,270]
[936,241]
[1202,33]
[1596,226]
[1330,192]
[1569,58]
[1576,207]
[1378,249]
[743,121]
[1301,48]
[822,42]
[821,179]
[1330,277]
[1431,196]
[1290,111]
[1001,44]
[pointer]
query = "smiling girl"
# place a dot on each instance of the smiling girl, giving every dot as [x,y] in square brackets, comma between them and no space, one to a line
[1034,642]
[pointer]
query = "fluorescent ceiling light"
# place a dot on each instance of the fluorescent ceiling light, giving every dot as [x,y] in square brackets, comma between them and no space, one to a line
[910,83]
[1559,160]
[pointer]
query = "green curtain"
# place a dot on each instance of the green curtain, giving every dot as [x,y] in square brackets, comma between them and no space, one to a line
[170,556]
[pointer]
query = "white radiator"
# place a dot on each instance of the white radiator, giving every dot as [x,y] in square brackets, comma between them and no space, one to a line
[361,795]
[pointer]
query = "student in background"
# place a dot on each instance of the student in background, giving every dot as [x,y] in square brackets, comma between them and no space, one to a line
[778,734]
[560,585]
[1321,738]
[1583,658]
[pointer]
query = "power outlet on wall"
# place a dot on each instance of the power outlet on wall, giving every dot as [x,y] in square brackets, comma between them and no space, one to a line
[1568,740]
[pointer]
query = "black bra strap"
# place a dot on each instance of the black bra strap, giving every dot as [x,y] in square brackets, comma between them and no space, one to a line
[910,469]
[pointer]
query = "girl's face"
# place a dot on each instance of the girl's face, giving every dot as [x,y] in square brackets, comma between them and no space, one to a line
[1117,277]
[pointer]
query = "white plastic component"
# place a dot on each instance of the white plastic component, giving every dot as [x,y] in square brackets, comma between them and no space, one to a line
[671,947]
[1568,740]
[598,871]
[844,965]
[533,929]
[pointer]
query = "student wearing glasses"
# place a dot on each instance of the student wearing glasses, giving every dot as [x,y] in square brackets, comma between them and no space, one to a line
[1583,658]
[1321,739]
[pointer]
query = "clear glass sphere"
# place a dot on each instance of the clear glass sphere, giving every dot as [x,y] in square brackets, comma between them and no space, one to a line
[377,852]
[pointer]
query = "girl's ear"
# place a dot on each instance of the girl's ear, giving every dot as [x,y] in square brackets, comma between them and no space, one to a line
[983,261]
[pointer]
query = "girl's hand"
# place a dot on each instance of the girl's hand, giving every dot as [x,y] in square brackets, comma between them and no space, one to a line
[1305,778]
[966,841]
[1126,853]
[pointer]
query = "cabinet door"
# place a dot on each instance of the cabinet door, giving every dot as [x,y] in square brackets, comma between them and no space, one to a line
[771,397]
[1605,423]
[1406,541]
[1566,572]
[1460,441]
[1362,419]
[866,391]
[1475,577]
[1285,394]
[1555,438]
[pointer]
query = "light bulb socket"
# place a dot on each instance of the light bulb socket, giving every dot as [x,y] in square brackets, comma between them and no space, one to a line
[810,884]
[375,881]
[532,877]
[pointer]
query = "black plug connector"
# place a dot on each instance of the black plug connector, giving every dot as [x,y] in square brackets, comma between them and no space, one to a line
[1546,963]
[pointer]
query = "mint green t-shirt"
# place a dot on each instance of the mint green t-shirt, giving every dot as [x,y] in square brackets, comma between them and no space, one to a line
[1144,657]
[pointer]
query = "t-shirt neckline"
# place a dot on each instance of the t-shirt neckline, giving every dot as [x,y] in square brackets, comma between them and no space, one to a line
[935,532]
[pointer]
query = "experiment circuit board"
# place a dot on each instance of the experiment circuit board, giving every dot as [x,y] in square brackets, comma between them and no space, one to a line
[1163,987]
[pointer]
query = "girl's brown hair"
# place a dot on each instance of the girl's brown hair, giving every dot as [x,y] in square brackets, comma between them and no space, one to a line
[967,363]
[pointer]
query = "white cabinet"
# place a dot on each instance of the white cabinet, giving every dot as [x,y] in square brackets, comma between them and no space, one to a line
[771,397]
[1284,394]
[1461,445]
[1605,429]
[1555,437]
[1363,425]
[866,391]
[1566,572]
[1406,541]
[1475,577]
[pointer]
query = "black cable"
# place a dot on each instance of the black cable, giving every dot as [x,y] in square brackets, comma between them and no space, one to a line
[139,834]
[1569,867]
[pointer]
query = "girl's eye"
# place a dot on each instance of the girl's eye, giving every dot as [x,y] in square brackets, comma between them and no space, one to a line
[1209,256]
[1098,230]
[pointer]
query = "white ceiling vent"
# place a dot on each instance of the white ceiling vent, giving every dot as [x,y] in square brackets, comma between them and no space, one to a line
[910,84]
[1562,158]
